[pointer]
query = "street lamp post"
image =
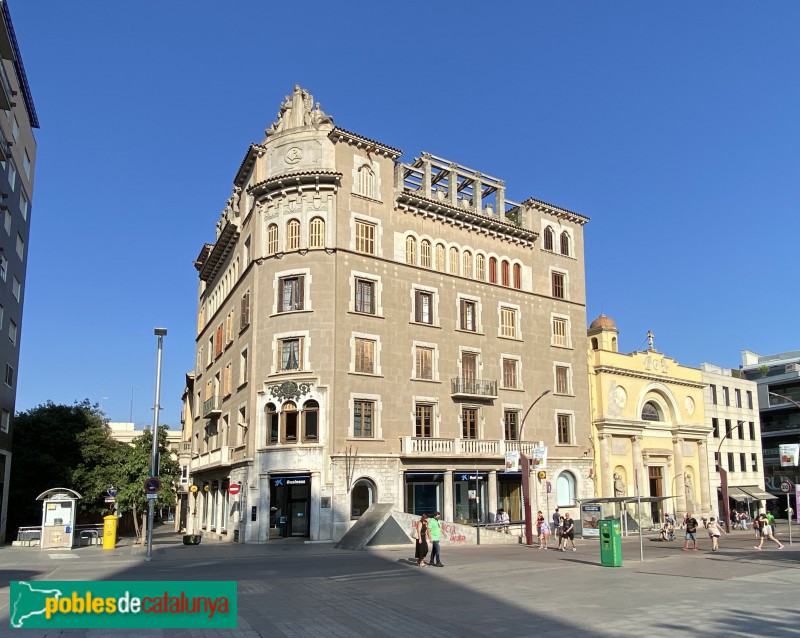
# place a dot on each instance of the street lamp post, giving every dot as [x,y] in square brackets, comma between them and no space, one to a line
[526,476]
[723,478]
[160,333]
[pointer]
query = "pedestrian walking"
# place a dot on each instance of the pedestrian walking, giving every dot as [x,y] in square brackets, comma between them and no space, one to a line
[539,521]
[766,532]
[545,532]
[422,540]
[568,532]
[435,531]
[771,522]
[556,520]
[743,520]
[691,531]
[714,531]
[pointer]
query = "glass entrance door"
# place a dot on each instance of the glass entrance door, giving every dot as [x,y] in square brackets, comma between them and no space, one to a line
[299,518]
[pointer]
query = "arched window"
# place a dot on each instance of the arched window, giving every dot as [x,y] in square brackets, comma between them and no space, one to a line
[272,423]
[466,264]
[651,412]
[311,421]
[613,344]
[440,257]
[289,415]
[272,239]
[411,250]
[565,243]
[595,345]
[366,181]
[425,253]
[492,270]
[548,238]
[361,497]
[293,235]
[565,490]
[517,276]
[317,231]
[480,267]
[453,260]
[504,273]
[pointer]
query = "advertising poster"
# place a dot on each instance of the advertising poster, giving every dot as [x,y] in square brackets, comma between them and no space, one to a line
[540,458]
[789,453]
[590,518]
[512,461]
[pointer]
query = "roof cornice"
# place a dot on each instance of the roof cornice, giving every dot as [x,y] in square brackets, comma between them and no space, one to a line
[342,135]
[556,211]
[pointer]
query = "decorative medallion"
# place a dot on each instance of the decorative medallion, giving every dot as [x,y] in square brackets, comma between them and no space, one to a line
[289,390]
[293,155]
[688,403]
[620,396]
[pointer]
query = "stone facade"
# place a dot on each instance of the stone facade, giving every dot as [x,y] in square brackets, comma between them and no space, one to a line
[375,331]
[650,432]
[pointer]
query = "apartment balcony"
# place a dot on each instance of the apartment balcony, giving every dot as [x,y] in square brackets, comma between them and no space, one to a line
[6,92]
[221,457]
[212,408]
[185,450]
[487,448]
[469,388]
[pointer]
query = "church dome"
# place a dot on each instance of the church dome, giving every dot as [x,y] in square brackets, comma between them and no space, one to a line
[603,322]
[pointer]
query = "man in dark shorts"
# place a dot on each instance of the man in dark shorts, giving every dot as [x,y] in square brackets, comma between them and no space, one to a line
[568,533]
[691,531]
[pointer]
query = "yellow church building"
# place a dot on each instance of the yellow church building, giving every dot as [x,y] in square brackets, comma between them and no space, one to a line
[648,427]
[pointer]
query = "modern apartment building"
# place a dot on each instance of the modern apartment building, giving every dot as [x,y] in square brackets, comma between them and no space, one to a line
[372,330]
[777,377]
[731,404]
[17,161]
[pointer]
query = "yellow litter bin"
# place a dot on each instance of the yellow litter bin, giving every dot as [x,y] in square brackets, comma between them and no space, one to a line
[109,532]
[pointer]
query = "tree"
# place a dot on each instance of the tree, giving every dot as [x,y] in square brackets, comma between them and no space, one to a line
[135,469]
[58,446]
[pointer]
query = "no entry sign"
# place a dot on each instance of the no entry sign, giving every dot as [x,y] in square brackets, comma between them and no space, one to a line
[234,488]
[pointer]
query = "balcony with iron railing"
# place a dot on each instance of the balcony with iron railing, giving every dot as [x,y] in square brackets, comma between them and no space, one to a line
[212,407]
[468,387]
[427,446]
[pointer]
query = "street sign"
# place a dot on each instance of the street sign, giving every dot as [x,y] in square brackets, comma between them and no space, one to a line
[234,488]
[152,485]
[112,492]
[786,487]
[151,497]
[549,487]
[110,500]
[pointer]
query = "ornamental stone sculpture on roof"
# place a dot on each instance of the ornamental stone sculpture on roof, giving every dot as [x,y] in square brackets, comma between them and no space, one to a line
[299,110]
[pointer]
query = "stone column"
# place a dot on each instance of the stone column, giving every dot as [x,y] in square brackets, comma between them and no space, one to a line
[500,201]
[606,475]
[448,513]
[705,487]
[477,193]
[314,508]
[426,175]
[678,481]
[492,492]
[638,465]
[452,183]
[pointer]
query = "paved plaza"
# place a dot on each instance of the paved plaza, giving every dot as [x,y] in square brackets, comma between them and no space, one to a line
[291,588]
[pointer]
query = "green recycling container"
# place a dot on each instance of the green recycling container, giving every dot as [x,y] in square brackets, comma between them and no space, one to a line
[610,543]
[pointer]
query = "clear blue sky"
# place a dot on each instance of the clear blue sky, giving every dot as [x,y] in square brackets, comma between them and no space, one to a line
[673,126]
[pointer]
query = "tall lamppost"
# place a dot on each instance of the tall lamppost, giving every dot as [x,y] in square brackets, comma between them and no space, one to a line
[723,478]
[160,333]
[526,476]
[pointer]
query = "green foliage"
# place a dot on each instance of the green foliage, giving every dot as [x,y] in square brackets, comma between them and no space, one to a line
[135,468]
[48,453]
[70,446]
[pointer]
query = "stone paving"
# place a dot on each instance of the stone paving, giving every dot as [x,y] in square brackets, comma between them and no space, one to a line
[293,589]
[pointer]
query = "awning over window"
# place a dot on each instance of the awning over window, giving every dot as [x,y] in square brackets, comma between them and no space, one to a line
[738,494]
[759,494]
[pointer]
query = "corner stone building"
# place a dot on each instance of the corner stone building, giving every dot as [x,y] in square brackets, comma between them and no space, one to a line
[375,331]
